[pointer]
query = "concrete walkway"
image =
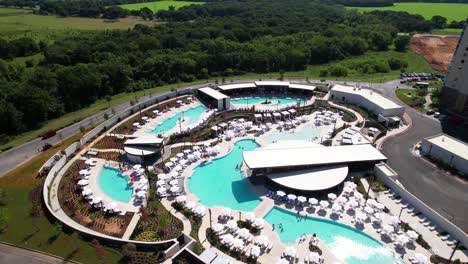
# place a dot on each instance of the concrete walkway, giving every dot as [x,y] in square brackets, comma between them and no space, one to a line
[131,226]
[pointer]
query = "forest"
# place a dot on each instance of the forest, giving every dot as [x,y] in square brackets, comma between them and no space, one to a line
[212,40]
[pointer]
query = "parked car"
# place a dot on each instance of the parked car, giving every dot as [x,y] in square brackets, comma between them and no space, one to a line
[430,112]
[443,117]
[48,134]
[46,146]
[436,114]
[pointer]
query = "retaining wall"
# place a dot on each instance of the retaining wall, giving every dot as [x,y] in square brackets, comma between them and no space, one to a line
[388,176]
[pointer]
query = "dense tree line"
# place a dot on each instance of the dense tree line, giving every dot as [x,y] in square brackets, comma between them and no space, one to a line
[380,3]
[216,39]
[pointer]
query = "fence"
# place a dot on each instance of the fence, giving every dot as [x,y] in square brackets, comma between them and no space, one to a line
[387,175]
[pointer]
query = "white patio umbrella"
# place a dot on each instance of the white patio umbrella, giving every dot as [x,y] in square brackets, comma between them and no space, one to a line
[143,181]
[302,199]
[353,203]
[290,252]
[255,251]
[243,233]
[238,243]
[96,200]
[84,172]
[262,240]
[196,147]
[413,235]
[331,196]
[83,182]
[368,210]
[160,183]
[178,168]
[141,194]
[314,257]
[280,193]
[361,217]
[218,227]
[227,239]
[258,222]
[200,210]
[174,189]
[89,162]
[358,196]
[162,176]
[379,216]
[174,182]
[168,164]
[292,197]
[190,205]
[379,206]
[136,124]
[143,188]
[402,240]
[324,204]
[420,258]
[226,212]
[155,111]
[282,261]
[173,174]
[341,200]
[181,199]
[111,206]
[144,118]
[249,216]
[87,192]
[313,201]
[395,220]
[173,159]
[187,151]
[348,189]
[231,224]
[180,155]
[388,229]
[136,166]
[161,190]
[371,202]
[337,208]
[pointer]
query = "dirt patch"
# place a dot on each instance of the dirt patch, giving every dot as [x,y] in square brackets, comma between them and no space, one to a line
[437,50]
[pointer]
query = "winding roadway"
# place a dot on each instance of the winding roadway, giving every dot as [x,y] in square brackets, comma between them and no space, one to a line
[10,254]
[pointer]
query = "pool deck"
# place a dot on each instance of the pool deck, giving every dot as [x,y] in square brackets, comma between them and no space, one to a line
[106,199]
[270,107]
[152,123]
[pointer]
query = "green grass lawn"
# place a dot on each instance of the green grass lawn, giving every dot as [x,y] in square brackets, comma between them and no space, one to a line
[15,23]
[451,11]
[411,98]
[416,64]
[448,31]
[160,5]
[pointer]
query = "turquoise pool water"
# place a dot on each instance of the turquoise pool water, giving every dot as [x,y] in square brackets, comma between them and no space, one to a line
[115,185]
[220,183]
[306,133]
[346,243]
[275,101]
[193,114]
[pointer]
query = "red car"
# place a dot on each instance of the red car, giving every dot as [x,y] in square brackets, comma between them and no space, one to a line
[48,134]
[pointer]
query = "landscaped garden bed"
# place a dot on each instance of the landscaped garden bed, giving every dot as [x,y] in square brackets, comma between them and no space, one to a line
[109,142]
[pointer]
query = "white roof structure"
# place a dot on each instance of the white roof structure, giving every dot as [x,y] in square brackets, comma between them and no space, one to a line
[369,95]
[310,156]
[144,141]
[312,179]
[271,83]
[237,86]
[302,87]
[213,93]
[141,150]
[450,144]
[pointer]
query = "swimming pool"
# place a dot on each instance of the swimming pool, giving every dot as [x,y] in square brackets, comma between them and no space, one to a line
[221,183]
[115,185]
[346,243]
[275,101]
[306,133]
[193,114]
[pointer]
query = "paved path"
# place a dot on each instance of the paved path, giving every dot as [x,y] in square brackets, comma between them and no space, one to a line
[10,254]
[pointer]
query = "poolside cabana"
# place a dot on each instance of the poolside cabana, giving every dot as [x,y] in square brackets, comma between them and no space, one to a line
[276,117]
[292,112]
[285,115]
[267,117]
[214,130]
[258,118]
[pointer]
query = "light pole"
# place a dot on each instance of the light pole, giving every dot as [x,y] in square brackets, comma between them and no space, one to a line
[453,252]
[368,190]
[209,210]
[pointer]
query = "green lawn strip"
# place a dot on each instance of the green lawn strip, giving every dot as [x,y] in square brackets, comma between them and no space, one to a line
[447,31]
[412,98]
[40,234]
[416,63]
[451,11]
[159,5]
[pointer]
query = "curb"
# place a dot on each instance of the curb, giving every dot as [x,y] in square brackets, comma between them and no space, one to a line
[39,252]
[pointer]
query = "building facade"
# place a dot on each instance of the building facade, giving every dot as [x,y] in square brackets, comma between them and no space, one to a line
[454,96]
[447,149]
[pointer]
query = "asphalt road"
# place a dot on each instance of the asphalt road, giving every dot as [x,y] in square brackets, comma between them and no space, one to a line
[14,157]
[10,254]
[443,192]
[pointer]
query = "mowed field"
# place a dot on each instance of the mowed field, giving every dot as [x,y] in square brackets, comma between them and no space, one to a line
[15,23]
[451,11]
[159,5]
